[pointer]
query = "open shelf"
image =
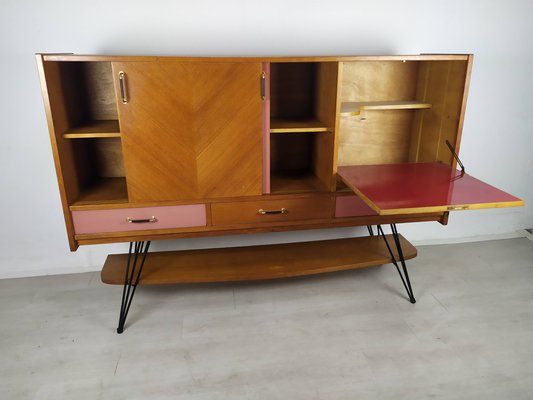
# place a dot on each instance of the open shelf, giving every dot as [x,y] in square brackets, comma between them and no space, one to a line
[257,262]
[355,107]
[94,129]
[284,125]
[295,182]
[103,191]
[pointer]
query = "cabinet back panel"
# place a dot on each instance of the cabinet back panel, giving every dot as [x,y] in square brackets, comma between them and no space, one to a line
[292,90]
[291,152]
[377,137]
[99,91]
[88,91]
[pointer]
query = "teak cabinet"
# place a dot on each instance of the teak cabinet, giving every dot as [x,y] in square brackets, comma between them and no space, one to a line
[150,148]
[168,147]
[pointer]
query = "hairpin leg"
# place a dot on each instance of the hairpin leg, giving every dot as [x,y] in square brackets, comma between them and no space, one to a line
[405,277]
[136,257]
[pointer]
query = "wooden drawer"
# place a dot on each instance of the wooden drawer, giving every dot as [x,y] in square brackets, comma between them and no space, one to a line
[139,219]
[264,211]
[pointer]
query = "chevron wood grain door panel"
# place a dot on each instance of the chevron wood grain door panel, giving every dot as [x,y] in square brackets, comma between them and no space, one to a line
[190,130]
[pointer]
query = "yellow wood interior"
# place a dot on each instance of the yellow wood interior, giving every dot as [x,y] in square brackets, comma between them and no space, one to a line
[396,112]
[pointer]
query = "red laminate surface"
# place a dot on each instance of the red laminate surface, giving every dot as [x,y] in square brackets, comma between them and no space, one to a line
[411,188]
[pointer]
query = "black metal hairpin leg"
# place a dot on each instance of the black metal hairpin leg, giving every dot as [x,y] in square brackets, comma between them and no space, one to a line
[136,257]
[370,230]
[406,281]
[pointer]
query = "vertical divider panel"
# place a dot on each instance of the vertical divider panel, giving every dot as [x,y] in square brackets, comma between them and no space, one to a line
[266,130]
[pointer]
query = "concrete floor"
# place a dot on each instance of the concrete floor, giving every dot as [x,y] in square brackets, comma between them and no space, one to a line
[349,335]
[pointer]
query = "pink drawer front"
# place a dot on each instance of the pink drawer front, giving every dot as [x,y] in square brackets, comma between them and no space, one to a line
[351,206]
[117,220]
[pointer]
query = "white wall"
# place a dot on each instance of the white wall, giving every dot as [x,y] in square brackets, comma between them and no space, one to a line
[497,141]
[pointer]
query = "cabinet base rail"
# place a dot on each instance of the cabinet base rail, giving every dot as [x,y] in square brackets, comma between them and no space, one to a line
[254,263]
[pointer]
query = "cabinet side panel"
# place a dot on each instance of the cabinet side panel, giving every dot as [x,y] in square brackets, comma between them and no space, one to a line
[442,84]
[63,150]
[326,111]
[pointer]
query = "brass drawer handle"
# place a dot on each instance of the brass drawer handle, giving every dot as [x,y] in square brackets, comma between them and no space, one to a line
[152,219]
[122,82]
[269,212]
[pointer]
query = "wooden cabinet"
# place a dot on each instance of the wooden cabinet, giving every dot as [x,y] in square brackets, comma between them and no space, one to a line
[261,144]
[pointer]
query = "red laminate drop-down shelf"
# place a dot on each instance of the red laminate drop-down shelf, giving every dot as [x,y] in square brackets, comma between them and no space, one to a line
[424,187]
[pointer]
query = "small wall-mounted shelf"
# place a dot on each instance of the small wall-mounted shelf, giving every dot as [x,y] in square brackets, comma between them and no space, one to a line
[355,108]
[94,129]
[279,125]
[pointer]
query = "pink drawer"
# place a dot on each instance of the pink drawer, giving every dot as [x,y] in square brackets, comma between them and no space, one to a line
[145,218]
[351,206]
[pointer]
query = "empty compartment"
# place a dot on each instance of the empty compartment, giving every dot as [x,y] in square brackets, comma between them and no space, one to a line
[300,162]
[400,111]
[89,99]
[99,171]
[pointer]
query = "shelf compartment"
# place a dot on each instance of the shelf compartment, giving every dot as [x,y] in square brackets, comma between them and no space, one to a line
[257,262]
[354,108]
[283,125]
[103,191]
[94,129]
[283,182]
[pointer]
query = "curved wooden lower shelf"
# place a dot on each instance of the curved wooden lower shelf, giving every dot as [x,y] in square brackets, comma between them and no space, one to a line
[257,262]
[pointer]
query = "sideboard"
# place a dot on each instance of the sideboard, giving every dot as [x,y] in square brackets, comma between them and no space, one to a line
[151,148]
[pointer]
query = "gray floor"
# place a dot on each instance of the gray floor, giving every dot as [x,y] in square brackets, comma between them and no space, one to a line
[349,335]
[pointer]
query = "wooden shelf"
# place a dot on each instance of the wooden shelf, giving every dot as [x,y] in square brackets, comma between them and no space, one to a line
[295,182]
[279,125]
[94,129]
[355,108]
[105,190]
[257,262]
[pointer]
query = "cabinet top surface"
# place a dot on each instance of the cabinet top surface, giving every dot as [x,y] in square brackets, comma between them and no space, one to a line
[147,58]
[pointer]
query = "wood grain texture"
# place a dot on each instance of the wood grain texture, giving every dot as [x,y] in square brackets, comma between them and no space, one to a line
[441,83]
[103,191]
[256,228]
[119,58]
[381,137]
[247,212]
[257,262]
[354,108]
[62,150]
[94,129]
[191,131]
[98,90]
[282,125]
[326,110]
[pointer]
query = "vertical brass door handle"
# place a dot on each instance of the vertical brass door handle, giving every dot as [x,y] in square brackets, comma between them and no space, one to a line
[263,86]
[122,82]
